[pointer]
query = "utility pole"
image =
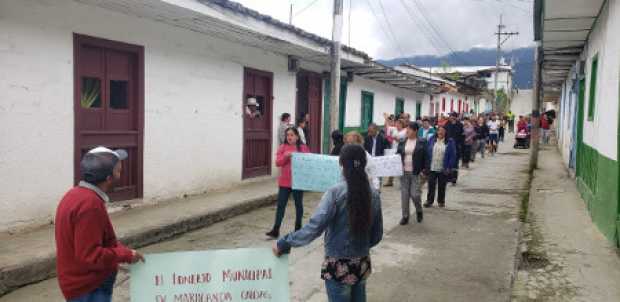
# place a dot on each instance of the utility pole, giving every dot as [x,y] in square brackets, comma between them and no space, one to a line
[537,96]
[290,15]
[500,34]
[335,67]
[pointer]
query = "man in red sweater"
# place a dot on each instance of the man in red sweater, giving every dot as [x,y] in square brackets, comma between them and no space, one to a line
[88,252]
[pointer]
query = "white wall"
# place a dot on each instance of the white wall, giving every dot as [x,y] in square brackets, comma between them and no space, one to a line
[384,100]
[504,81]
[193,118]
[602,132]
[522,103]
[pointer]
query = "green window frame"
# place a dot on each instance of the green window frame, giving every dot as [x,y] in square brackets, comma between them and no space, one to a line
[592,94]
[367,109]
[399,106]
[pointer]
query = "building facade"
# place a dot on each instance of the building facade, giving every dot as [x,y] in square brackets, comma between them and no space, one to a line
[580,72]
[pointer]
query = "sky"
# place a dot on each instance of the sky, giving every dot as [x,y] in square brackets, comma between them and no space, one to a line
[387,29]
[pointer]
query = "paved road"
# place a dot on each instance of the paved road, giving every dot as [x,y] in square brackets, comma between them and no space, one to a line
[465,252]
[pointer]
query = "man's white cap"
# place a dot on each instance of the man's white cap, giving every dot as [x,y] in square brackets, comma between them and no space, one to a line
[119,153]
[253,102]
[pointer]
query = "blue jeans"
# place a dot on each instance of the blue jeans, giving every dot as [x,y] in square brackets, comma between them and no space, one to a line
[340,292]
[101,294]
[283,195]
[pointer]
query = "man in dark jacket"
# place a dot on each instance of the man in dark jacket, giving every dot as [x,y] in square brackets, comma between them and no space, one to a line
[375,143]
[455,132]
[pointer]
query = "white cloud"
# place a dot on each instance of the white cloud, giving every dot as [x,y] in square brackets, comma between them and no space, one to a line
[463,24]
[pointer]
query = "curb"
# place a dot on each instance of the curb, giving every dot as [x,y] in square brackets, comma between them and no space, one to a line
[43,268]
[522,226]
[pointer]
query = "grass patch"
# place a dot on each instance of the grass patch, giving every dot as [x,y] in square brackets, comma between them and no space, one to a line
[525,198]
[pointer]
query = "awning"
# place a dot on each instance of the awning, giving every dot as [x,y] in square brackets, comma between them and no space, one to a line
[563,28]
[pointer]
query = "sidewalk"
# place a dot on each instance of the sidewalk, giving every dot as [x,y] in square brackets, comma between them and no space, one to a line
[565,257]
[30,257]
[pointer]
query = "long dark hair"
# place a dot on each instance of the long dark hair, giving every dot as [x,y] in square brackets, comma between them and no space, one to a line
[359,195]
[299,142]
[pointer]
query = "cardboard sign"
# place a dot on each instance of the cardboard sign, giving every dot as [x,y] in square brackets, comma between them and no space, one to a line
[385,166]
[218,275]
[315,172]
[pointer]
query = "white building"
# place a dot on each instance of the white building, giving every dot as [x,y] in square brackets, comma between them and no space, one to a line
[504,76]
[168,80]
[579,52]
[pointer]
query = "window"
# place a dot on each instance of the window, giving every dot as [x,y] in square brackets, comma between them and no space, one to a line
[91,93]
[399,106]
[451,105]
[118,94]
[367,109]
[592,99]
[443,104]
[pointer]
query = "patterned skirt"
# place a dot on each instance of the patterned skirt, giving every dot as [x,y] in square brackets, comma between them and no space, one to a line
[348,271]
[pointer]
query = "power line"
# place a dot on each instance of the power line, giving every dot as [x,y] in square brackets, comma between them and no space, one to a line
[385,32]
[425,31]
[389,26]
[424,14]
[305,8]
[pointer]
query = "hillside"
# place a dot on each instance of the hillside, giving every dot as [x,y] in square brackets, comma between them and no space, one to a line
[523,62]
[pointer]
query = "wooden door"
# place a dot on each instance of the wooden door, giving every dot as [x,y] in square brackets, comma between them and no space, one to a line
[257,127]
[309,100]
[109,106]
[367,109]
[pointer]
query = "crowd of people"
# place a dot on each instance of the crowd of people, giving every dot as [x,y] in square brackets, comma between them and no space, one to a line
[432,151]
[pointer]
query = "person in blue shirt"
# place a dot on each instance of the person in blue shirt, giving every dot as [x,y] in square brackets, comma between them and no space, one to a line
[350,215]
[426,131]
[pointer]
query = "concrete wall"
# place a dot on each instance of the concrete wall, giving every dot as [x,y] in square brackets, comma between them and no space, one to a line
[597,169]
[384,101]
[193,87]
[522,103]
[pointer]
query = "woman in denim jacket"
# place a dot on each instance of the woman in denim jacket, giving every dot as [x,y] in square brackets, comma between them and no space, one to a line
[350,215]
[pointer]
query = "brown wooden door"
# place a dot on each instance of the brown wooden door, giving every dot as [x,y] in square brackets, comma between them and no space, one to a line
[309,100]
[257,127]
[109,106]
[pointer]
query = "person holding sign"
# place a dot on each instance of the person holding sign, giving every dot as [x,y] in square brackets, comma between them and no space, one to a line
[442,156]
[283,160]
[415,161]
[88,253]
[350,214]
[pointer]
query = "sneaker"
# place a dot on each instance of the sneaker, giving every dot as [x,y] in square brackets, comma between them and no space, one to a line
[428,204]
[419,216]
[273,234]
[404,221]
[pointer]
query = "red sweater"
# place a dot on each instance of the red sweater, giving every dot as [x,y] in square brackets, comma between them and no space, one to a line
[285,179]
[86,246]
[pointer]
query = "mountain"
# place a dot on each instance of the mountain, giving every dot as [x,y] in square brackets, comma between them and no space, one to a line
[523,60]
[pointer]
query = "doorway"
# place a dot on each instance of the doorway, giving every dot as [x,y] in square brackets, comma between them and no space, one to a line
[309,101]
[367,109]
[257,122]
[109,106]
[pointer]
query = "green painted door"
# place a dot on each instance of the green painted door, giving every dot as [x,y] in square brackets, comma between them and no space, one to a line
[418,110]
[342,105]
[367,109]
[580,116]
[399,107]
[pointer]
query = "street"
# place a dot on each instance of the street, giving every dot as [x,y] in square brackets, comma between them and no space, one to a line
[465,252]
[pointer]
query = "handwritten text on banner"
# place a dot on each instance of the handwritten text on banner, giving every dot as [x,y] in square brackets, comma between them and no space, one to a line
[218,275]
[318,173]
